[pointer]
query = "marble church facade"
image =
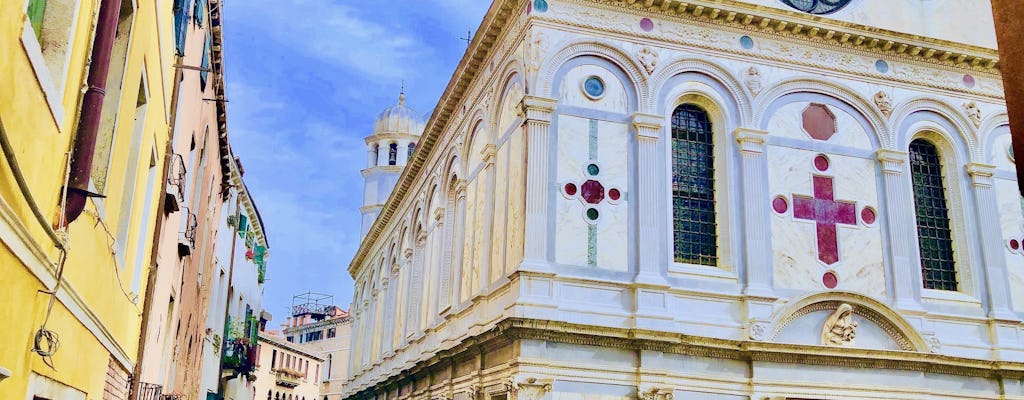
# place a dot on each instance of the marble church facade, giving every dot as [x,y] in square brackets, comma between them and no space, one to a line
[656,199]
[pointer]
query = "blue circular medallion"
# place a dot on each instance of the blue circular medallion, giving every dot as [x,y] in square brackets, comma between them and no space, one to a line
[747,42]
[817,6]
[882,66]
[540,5]
[594,87]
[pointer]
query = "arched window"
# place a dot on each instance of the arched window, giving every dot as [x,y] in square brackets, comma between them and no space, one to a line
[393,154]
[269,394]
[412,148]
[376,154]
[933,234]
[693,187]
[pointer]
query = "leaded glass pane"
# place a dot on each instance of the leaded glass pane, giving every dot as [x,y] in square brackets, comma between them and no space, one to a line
[693,187]
[933,234]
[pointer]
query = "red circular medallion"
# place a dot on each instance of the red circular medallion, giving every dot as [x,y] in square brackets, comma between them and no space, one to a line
[830,280]
[968,81]
[1014,244]
[780,204]
[646,24]
[821,162]
[868,215]
[570,189]
[614,194]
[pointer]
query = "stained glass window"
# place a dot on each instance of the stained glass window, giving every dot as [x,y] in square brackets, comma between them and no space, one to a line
[933,234]
[693,187]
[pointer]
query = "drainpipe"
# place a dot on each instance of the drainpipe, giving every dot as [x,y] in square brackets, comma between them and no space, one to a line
[92,105]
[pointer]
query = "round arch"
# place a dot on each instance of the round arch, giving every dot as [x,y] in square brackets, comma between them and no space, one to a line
[559,61]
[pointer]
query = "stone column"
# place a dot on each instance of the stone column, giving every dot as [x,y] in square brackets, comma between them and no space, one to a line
[538,112]
[650,232]
[369,331]
[403,152]
[415,303]
[757,243]
[458,242]
[371,157]
[367,327]
[997,277]
[386,334]
[382,153]
[899,204]
[445,278]
[485,242]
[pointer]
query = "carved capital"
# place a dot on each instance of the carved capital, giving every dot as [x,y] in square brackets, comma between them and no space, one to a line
[529,388]
[892,161]
[751,140]
[537,108]
[487,153]
[439,215]
[648,126]
[981,174]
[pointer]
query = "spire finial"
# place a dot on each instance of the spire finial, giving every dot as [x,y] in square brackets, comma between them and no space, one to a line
[401,95]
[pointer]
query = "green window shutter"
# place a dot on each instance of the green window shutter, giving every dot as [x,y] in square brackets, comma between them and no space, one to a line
[36,11]
[243,224]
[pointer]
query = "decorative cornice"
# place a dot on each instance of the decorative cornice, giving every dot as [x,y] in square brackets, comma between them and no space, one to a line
[793,24]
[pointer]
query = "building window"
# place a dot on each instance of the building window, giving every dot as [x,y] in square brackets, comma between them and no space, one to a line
[200,12]
[273,359]
[393,154]
[376,155]
[291,339]
[933,234]
[48,37]
[331,332]
[180,25]
[693,187]
[412,149]
[314,336]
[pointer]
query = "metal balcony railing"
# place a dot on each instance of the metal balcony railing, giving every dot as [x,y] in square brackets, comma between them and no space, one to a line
[175,184]
[150,391]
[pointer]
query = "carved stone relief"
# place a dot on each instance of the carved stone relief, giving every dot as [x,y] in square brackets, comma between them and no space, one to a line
[973,113]
[884,103]
[656,393]
[753,81]
[840,330]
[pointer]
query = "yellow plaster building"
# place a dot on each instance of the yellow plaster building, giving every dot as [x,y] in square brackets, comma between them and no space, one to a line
[46,50]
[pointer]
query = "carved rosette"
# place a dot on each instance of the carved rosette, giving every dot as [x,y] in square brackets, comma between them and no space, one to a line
[529,388]
[757,330]
[648,58]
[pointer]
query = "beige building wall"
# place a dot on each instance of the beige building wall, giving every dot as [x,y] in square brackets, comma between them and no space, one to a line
[335,335]
[286,371]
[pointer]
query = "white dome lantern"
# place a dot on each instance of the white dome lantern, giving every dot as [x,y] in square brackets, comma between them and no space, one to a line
[399,119]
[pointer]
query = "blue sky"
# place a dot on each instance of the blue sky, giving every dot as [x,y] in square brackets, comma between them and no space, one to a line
[305,80]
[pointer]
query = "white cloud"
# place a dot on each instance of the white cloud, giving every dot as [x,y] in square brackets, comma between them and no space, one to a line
[337,34]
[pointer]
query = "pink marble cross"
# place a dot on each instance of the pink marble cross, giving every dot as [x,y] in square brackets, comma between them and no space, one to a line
[827,214]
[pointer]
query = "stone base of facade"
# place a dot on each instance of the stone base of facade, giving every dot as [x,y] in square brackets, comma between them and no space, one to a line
[544,360]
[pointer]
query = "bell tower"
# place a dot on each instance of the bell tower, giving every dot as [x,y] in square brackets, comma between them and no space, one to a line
[388,149]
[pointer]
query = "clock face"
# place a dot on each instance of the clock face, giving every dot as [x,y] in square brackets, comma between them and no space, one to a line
[817,6]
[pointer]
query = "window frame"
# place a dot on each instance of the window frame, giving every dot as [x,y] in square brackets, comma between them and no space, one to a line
[52,83]
[957,186]
[725,167]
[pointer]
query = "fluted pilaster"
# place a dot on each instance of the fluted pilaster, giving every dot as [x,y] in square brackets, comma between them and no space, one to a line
[538,112]
[906,273]
[757,235]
